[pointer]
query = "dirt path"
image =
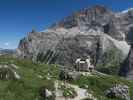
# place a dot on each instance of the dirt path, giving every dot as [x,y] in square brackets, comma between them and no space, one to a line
[81,93]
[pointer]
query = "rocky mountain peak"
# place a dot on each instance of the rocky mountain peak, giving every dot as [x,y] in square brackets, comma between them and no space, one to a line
[91,31]
[85,16]
[100,9]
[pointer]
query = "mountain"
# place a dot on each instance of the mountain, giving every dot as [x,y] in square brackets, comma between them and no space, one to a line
[48,70]
[6,51]
[90,31]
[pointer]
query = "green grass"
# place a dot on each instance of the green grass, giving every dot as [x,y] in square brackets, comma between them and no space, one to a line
[28,87]
[98,84]
[68,92]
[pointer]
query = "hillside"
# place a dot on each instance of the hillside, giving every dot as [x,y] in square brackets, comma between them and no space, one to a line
[34,78]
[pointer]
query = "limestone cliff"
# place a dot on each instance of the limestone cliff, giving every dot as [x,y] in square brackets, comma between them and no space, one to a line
[90,31]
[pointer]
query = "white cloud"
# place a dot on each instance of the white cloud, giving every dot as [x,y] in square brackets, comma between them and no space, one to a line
[7,44]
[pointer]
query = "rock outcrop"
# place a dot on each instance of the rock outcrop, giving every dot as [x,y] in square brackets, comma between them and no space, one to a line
[8,72]
[127,66]
[118,91]
[90,31]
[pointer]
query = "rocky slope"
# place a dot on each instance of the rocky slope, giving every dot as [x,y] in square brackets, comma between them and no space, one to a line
[91,31]
[127,65]
[21,79]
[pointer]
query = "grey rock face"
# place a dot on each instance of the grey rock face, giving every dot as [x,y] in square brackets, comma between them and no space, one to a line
[69,46]
[127,66]
[100,18]
[79,35]
[118,91]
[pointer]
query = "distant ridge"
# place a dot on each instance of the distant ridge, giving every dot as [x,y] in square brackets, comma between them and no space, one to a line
[6,51]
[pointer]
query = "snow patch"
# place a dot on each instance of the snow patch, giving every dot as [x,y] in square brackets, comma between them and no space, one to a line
[126,11]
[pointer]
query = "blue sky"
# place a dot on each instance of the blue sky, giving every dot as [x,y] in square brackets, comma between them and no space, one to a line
[17,17]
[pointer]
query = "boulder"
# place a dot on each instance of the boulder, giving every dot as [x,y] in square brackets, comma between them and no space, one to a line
[8,73]
[48,93]
[118,91]
[45,93]
[68,75]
